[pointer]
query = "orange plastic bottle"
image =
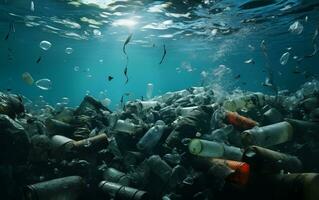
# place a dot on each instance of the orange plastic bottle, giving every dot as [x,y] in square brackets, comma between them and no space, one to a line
[239,121]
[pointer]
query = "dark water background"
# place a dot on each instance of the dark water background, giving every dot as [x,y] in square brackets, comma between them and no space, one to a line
[199,37]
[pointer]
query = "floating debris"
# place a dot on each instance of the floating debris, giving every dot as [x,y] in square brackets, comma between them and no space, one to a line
[44,84]
[109,78]
[65,100]
[149,90]
[76,68]
[97,32]
[39,59]
[32,6]
[237,77]
[45,45]
[128,39]
[250,61]
[296,28]
[284,58]
[164,54]
[27,78]
[11,29]
[69,50]
[125,74]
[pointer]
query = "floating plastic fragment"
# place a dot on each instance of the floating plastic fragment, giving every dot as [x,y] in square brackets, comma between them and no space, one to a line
[69,50]
[76,68]
[214,32]
[106,102]
[97,32]
[27,78]
[284,58]
[44,84]
[250,61]
[45,45]
[296,28]
[65,100]
[32,6]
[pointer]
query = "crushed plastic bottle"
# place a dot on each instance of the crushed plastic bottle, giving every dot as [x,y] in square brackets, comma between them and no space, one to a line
[44,84]
[69,50]
[284,58]
[45,45]
[296,28]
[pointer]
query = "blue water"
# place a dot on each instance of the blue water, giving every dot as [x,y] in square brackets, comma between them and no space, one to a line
[199,37]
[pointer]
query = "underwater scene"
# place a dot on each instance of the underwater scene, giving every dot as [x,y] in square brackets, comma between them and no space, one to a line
[159,100]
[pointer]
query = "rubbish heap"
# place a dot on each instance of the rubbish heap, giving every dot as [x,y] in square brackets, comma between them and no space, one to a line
[189,144]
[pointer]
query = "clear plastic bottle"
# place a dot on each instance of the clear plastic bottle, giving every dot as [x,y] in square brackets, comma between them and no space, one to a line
[160,168]
[268,135]
[212,149]
[152,136]
[247,101]
[125,127]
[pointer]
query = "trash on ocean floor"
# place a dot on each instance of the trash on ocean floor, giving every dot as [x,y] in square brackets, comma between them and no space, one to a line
[181,145]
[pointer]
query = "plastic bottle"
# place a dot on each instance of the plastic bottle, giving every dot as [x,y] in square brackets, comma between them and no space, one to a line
[239,121]
[207,148]
[267,161]
[125,127]
[62,145]
[272,116]
[152,136]
[149,104]
[149,90]
[116,176]
[304,127]
[119,192]
[160,168]
[248,101]
[268,135]
[304,186]
[70,188]
[241,173]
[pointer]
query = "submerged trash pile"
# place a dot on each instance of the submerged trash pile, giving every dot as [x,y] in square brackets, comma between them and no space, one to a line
[189,144]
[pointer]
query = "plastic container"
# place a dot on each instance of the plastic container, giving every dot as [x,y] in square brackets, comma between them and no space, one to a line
[304,186]
[120,192]
[272,116]
[151,137]
[69,188]
[212,149]
[240,122]
[125,127]
[160,168]
[302,128]
[241,173]
[100,140]
[266,161]
[60,145]
[149,104]
[248,101]
[149,90]
[116,176]
[268,135]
